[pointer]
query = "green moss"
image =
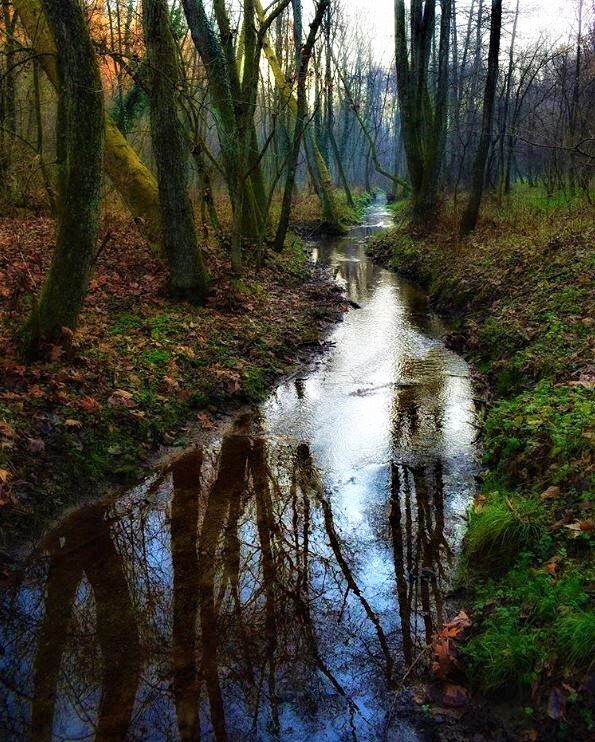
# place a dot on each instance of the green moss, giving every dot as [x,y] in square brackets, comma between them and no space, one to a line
[126,322]
[254,384]
[530,619]
[156,356]
[541,437]
[504,655]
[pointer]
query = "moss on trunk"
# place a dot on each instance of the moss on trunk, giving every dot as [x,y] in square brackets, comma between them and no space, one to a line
[80,140]
[187,276]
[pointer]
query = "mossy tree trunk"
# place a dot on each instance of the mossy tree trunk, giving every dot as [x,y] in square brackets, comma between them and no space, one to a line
[8,116]
[132,179]
[322,179]
[423,112]
[233,77]
[80,142]
[187,276]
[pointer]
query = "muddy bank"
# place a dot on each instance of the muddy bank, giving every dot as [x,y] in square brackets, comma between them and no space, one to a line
[142,373]
[520,294]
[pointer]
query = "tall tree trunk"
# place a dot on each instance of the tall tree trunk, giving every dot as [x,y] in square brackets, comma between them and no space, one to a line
[423,116]
[469,219]
[187,277]
[132,179]
[573,118]
[505,136]
[8,117]
[300,123]
[233,102]
[330,212]
[80,140]
[331,115]
[45,173]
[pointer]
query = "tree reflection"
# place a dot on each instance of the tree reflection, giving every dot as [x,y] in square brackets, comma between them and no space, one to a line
[416,516]
[83,545]
[186,475]
[235,574]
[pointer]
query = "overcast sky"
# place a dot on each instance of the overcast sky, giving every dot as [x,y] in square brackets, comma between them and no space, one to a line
[556,18]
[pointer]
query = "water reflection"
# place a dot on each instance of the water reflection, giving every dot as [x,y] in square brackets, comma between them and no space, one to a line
[277,584]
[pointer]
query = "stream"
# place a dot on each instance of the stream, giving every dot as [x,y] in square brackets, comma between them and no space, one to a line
[277,582]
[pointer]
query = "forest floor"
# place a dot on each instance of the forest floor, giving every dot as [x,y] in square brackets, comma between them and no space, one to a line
[520,291]
[142,372]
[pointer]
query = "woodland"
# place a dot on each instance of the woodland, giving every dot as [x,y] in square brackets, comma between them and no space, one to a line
[167,168]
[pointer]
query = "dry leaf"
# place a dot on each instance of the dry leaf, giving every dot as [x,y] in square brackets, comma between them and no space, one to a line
[89,404]
[6,430]
[551,493]
[71,423]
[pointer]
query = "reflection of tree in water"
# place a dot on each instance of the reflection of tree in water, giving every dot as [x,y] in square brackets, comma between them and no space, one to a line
[416,516]
[184,534]
[258,631]
[82,547]
[227,602]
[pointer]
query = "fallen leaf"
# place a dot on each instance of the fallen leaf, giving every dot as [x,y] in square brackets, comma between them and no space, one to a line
[581,525]
[171,383]
[89,404]
[121,397]
[551,567]
[556,705]
[6,430]
[460,621]
[122,394]
[205,421]
[71,423]
[4,475]
[551,493]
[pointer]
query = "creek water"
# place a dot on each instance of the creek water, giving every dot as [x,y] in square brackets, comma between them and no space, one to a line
[277,582]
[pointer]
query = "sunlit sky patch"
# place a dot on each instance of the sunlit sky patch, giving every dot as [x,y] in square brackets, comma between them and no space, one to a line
[555,20]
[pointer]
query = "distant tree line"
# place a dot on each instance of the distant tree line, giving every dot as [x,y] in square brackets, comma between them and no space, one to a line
[193,108]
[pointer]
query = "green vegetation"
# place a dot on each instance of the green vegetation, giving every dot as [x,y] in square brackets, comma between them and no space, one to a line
[529,621]
[521,289]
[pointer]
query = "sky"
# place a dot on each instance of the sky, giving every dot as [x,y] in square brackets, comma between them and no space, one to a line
[556,18]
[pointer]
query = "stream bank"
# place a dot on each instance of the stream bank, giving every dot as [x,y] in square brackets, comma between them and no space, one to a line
[279,580]
[520,293]
[143,373]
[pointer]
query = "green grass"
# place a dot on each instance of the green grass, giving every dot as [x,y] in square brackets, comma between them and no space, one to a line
[519,292]
[531,621]
[504,655]
[575,637]
[499,530]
